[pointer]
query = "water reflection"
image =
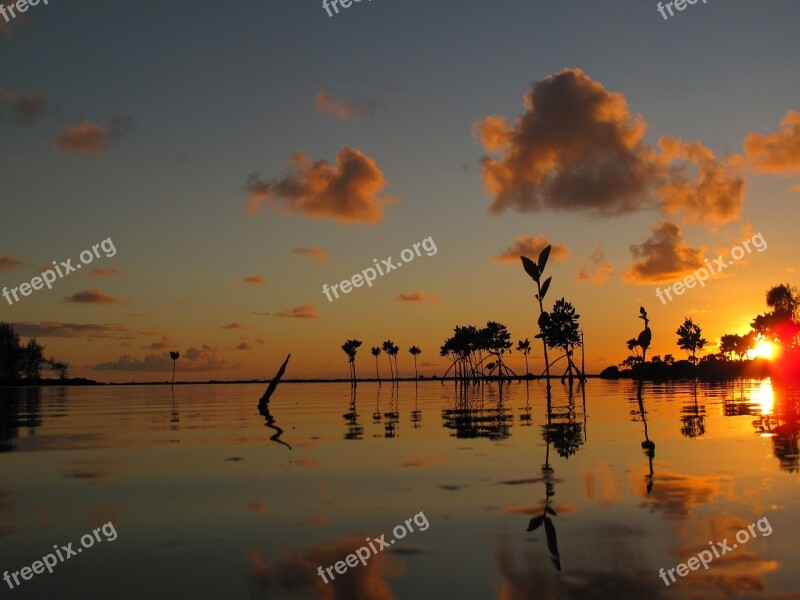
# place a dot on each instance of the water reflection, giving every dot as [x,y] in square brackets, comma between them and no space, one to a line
[693,416]
[478,412]
[779,419]
[20,407]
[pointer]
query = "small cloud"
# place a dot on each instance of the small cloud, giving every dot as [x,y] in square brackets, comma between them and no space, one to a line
[417,296]
[596,270]
[235,325]
[93,296]
[25,108]
[345,192]
[304,311]
[260,342]
[257,506]
[107,272]
[91,138]
[261,314]
[306,463]
[244,346]
[255,280]
[314,253]
[664,256]
[204,358]
[418,462]
[525,245]
[161,345]
[343,109]
[57,329]
[9,264]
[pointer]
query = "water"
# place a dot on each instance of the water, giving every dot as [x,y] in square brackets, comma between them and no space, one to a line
[209,502]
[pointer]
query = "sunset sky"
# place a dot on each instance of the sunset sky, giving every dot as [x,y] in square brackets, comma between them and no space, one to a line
[241,156]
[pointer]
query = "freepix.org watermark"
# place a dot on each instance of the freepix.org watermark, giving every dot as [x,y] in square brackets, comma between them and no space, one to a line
[365,552]
[48,277]
[369,274]
[704,557]
[20,6]
[63,553]
[702,274]
[327,4]
[679,5]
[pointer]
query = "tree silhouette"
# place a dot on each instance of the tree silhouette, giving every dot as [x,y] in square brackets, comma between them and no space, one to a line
[32,360]
[690,338]
[414,351]
[376,352]
[669,359]
[561,331]
[350,347]
[387,350]
[174,355]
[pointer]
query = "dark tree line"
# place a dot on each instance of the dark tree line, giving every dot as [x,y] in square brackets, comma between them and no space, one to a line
[26,361]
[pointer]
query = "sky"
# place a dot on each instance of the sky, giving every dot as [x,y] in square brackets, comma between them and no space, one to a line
[238,159]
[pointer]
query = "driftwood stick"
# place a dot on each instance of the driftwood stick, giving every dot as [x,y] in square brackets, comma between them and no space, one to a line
[272,385]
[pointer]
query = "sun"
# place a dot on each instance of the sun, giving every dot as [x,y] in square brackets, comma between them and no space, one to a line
[764,349]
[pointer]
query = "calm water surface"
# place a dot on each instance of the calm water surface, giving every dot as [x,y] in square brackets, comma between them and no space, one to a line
[210,499]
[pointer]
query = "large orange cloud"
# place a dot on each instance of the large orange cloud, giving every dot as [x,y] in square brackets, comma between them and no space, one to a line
[577,147]
[346,192]
[664,256]
[525,245]
[777,153]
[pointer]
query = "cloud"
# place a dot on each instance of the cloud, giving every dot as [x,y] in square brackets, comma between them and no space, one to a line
[57,329]
[91,138]
[304,311]
[255,280]
[525,245]
[193,359]
[295,572]
[163,344]
[244,346]
[257,506]
[416,297]
[9,264]
[578,148]
[675,495]
[596,270]
[314,253]
[93,296]
[107,272]
[235,325]
[777,153]
[664,256]
[25,108]
[343,109]
[715,193]
[346,192]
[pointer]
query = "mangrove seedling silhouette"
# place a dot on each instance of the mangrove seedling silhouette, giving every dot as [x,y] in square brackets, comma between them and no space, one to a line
[414,351]
[350,347]
[376,352]
[466,347]
[524,346]
[174,355]
[535,270]
[690,338]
